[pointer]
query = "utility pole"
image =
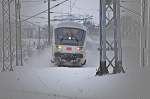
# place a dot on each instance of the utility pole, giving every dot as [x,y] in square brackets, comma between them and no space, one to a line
[49,19]
[144,34]
[49,31]
[149,34]
[17,25]
[21,50]
[19,60]
[70,8]
[110,44]
[39,38]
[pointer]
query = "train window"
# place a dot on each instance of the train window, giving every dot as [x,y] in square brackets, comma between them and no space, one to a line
[69,36]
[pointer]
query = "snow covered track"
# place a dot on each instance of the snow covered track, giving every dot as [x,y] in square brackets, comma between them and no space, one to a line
[39,79]
[71,83]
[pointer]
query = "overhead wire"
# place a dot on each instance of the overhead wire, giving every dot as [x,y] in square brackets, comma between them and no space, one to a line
[74,6]
[45,10]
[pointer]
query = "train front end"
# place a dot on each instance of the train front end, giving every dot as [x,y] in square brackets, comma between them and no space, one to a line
[69,46]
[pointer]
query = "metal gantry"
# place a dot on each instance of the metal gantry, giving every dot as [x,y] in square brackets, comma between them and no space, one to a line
[110,43]
[9,37]
[19,60]
[7,34]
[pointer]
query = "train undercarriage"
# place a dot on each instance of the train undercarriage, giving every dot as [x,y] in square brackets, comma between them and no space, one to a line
[69,59]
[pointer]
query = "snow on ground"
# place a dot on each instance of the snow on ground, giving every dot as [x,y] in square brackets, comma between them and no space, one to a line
[39,79]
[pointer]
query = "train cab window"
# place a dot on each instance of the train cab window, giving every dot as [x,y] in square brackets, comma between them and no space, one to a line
[70,36]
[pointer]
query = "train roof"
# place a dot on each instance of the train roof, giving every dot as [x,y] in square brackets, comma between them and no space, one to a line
[71,25]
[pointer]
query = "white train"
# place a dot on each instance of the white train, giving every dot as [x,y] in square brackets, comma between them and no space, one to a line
[68,46]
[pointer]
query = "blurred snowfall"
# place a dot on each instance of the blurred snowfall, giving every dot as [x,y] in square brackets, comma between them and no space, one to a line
[39,79]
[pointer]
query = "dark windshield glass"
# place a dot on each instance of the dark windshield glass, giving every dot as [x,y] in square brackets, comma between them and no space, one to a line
[69,36]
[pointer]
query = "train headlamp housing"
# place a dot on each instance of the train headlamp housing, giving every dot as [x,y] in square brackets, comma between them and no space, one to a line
[79,48]
[59,47]
[69,38]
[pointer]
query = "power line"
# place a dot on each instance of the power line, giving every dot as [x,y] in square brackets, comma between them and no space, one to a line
[26,16]
[31,1]
[97,10]
[124,1]
[45,10]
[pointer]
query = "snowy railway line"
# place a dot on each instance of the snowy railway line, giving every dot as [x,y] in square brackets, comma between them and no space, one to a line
[39,79]
[38,58]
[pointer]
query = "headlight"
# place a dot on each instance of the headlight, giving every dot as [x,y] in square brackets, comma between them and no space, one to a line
[59,47]
[79,48]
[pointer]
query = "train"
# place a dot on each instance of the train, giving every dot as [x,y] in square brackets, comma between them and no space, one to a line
[69,44]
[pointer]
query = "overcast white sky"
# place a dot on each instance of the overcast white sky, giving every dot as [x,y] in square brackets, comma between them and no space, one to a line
[79,7]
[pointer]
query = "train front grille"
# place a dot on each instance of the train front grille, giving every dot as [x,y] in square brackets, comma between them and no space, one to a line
[68,56]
